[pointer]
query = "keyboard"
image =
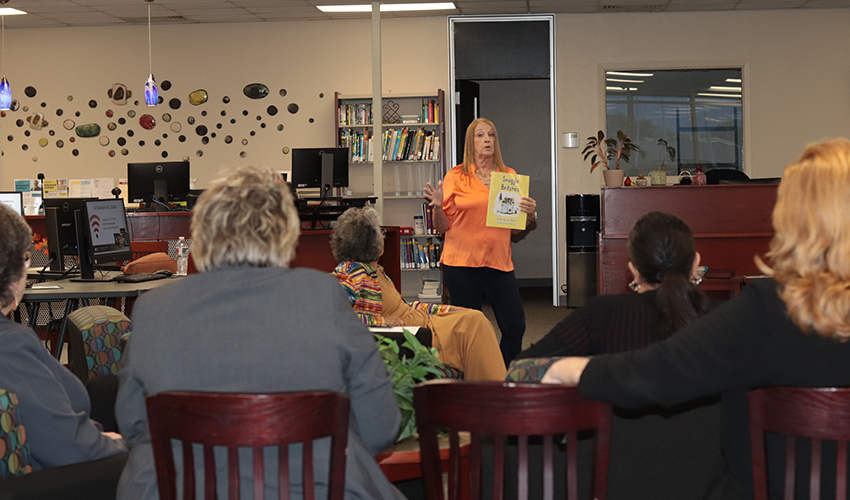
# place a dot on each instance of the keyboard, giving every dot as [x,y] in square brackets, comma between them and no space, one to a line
[138,278]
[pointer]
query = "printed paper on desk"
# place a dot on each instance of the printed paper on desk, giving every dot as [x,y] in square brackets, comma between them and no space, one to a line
[506,191]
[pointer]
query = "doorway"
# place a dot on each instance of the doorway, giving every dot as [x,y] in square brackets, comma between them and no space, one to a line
[502,68]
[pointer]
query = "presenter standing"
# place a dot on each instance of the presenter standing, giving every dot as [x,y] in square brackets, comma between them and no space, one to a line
[476,258]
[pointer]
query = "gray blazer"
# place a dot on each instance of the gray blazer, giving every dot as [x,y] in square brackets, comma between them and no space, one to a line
[246,329]
[54,403]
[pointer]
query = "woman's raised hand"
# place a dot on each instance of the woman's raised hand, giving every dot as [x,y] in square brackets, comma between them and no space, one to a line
[434,196]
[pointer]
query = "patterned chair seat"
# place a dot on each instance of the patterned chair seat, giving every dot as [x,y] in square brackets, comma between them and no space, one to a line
[97,335]
[14,451]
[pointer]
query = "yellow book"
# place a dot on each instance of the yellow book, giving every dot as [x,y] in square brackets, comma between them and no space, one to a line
[506,190]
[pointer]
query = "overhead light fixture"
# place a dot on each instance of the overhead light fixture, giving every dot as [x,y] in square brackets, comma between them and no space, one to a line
[708,94]
[622,80]
[8,11]
[733,80]
[621,73]
[718,88]
[5,89]
[389,7]
[151,92]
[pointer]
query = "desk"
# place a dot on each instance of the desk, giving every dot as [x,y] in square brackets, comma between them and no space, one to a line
[76,291]
[403,461]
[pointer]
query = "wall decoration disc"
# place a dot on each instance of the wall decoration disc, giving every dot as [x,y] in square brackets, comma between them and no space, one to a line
[228,139]
[190,120]
[164,154]
[92,104]
[292,108]
[76,152]
[72,139]
[174,103]
[30,91]
[42,142]
[111,126]
[109,113]
[199,153]
[25,108]
[201,130]
[104,141]
[111,153]
[70,98]
[176,127]
[280,127]
[165,85]
[286,150]
[166,117]
[225,100]
[255,91]
[122,141]
[68,124]
[88,130]
[243,154]
[59,112]
[60,144]
[185,158]
[36,121]
[282,92]
[34,159]
[198,97]
[125,152]
[51,133]
[24,147]
[244,142]
[271,110]
[131,113]
[147,121]
[119,94]
[19,122]
[15,105]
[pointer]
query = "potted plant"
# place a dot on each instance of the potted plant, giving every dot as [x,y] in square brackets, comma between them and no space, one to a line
[406,372]
[667,152]
[602,151]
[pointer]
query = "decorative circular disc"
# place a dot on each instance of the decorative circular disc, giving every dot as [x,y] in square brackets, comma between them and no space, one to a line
[104,141]
[176,127]
[147,121]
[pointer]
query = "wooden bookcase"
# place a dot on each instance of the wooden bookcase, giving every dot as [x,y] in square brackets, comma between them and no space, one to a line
[421,116]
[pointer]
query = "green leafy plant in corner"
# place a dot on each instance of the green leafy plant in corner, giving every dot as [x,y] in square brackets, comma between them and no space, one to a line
[602,151]
[406,372]
[667,151]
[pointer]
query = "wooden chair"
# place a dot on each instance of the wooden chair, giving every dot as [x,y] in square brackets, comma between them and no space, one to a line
[815,413]
[506,410]
[247,420]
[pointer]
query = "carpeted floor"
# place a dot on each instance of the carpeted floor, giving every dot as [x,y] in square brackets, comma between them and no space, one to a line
[540,314]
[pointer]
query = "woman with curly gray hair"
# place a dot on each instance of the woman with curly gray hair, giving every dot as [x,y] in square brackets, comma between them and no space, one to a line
[52,401]
[249,323]
[464,338]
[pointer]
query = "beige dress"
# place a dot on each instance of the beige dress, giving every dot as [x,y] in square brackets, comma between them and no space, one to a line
[464,338]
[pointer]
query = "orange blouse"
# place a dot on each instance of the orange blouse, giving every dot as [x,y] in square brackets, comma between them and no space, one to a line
[469,242]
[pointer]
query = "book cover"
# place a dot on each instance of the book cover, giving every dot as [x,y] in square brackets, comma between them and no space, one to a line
[506,190]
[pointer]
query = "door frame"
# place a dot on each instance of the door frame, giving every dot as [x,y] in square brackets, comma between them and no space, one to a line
[553,156]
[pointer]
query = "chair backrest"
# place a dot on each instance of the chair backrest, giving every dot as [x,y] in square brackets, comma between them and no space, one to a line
[234,420]
[96,337]
[815,413]
[501,410]
[142,248]
[15,456]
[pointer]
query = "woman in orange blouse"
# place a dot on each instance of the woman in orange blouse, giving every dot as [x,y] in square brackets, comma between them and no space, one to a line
[476,258]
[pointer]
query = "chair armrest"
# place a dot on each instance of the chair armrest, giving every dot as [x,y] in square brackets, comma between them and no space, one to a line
[96,480]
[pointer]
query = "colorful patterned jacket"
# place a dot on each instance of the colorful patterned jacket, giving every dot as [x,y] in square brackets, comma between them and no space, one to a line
[360,282]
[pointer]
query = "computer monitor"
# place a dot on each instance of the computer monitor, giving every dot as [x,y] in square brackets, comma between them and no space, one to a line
[158,183]
[103,236]
[14,199]
[61,227]
[322,168]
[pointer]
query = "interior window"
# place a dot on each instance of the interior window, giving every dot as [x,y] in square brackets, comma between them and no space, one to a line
[696,111]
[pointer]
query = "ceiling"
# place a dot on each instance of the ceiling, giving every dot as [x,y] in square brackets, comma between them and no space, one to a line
[62,13]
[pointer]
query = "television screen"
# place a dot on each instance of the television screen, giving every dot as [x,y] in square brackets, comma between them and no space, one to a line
[14,199]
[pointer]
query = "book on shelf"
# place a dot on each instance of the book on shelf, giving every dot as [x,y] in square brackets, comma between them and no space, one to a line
[430,290]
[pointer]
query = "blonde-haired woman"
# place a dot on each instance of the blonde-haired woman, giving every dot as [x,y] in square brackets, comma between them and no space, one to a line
[790,329]
[248,323]
[476,258]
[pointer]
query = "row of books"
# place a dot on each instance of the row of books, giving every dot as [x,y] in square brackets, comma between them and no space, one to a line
[420,254]
[406,144]
[361,113]
[428,219]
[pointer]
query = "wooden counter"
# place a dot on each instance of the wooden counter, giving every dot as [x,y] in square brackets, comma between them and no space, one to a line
[731,224]
[313,248]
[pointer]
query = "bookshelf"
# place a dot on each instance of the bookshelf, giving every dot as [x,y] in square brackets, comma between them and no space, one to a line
[413,148]
[420,264]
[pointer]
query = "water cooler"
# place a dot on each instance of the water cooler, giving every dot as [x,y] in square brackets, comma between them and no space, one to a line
[583,222]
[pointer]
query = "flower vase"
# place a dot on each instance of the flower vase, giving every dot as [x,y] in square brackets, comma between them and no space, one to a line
[613,178]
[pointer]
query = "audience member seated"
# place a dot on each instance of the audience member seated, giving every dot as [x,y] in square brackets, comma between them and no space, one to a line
[790,329]
[655,453]
[52,401]
[249,323]
[464,338]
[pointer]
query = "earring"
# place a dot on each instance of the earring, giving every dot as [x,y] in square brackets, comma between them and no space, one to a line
[696,280]
[634,285]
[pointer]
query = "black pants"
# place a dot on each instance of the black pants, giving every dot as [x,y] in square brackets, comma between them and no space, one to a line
[469,285]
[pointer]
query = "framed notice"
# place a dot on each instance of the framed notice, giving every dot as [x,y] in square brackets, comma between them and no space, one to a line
[506,191]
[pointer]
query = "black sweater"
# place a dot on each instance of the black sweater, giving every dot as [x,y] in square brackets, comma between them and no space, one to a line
[745,343]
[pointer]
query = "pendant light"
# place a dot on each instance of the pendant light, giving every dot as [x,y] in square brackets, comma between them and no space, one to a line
[151,92]
[5,90]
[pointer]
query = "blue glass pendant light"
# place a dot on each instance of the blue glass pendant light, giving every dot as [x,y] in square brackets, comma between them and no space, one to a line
[5,89]
[151,91]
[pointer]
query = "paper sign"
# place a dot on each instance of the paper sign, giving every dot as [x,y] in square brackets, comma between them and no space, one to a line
[506,191]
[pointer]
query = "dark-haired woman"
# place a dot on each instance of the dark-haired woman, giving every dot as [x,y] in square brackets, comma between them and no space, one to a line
[663,261]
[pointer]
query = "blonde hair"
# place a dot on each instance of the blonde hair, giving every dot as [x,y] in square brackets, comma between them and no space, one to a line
[469,148]
[810,253]
[246,217]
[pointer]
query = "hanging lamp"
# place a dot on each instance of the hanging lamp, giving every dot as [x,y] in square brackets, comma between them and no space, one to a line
[5,89]
[151,91]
